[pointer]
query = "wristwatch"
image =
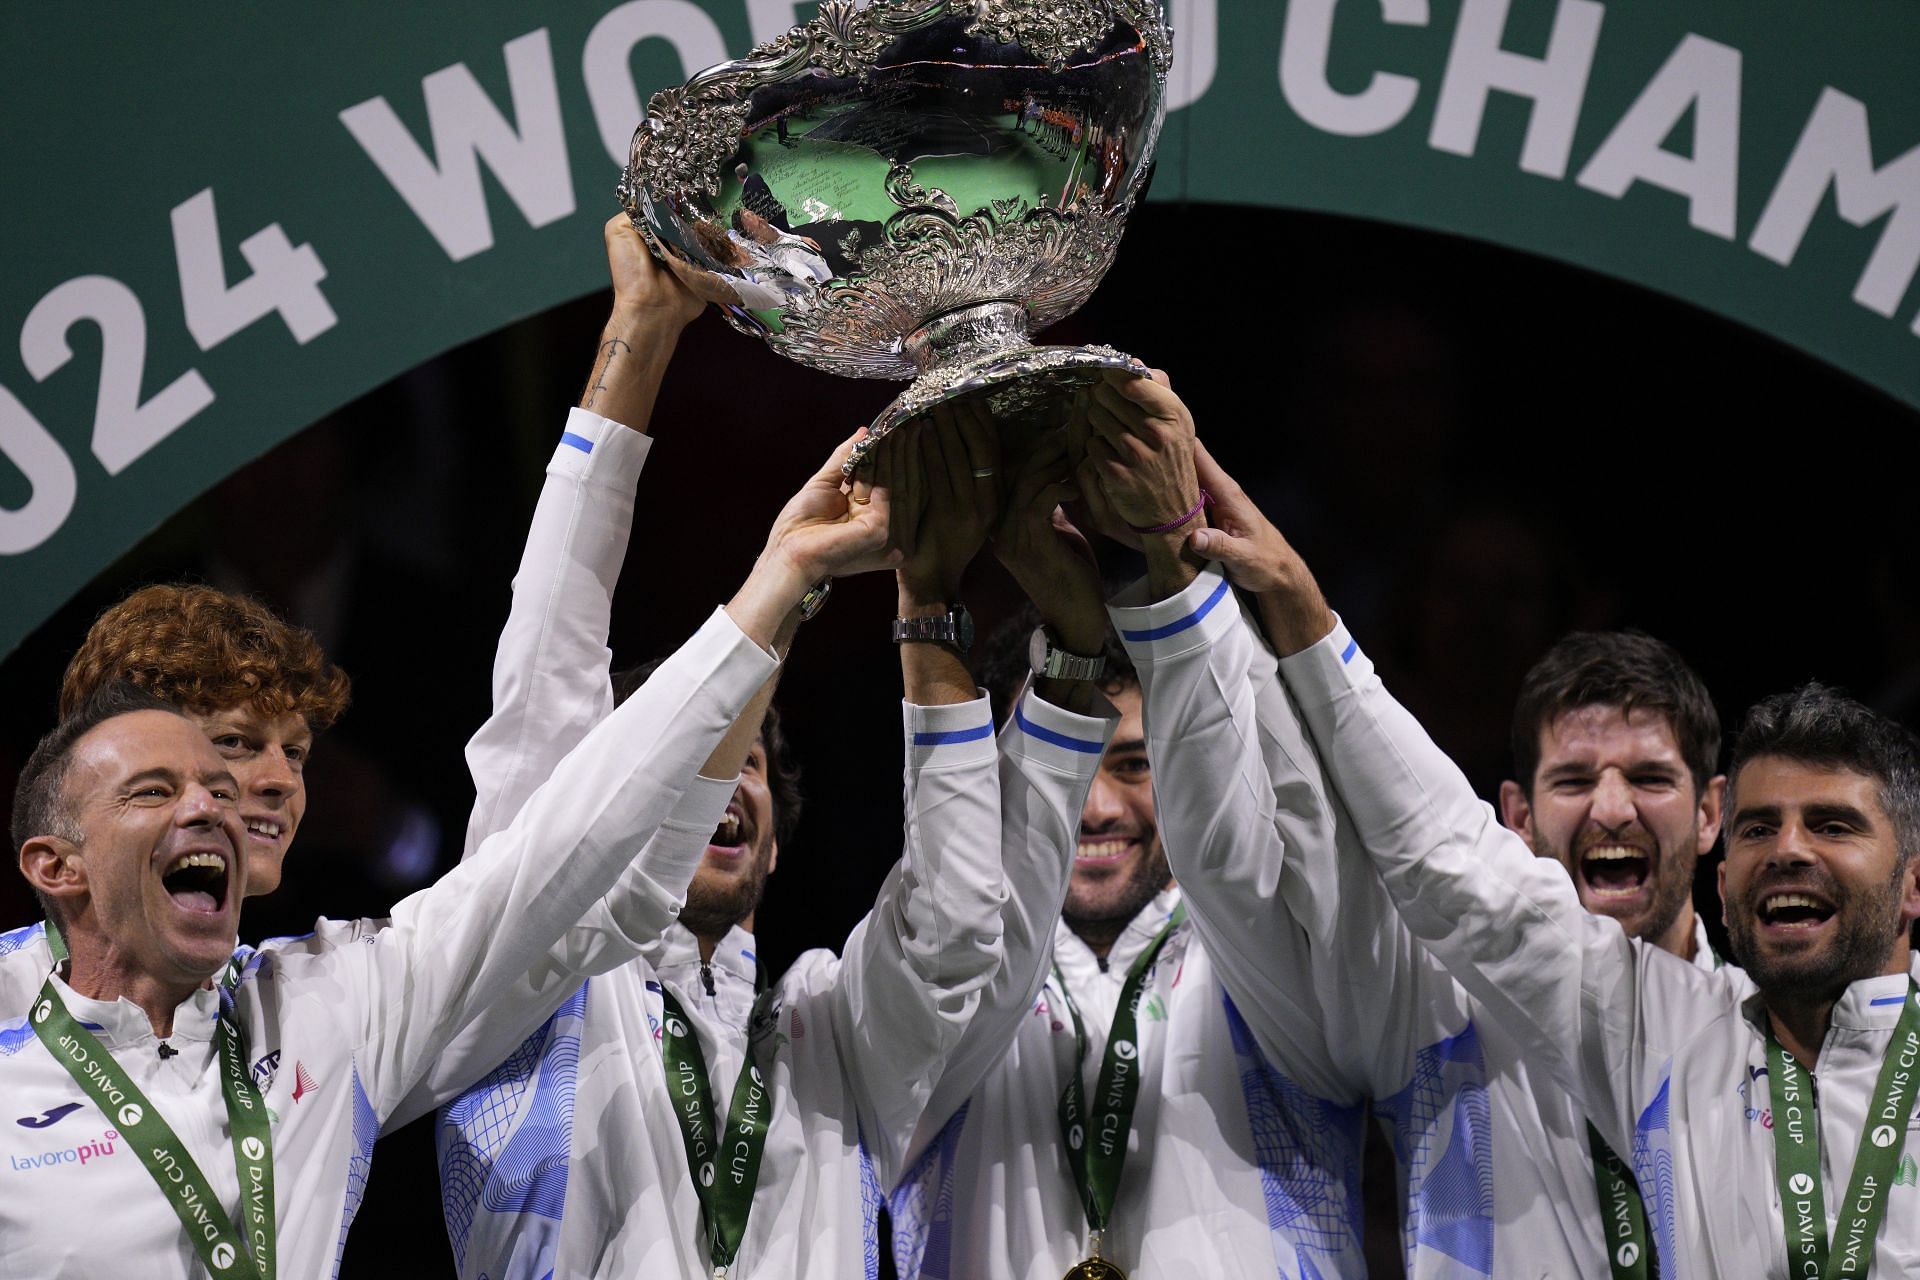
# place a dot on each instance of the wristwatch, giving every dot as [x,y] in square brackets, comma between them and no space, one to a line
[954,628]
[1055,663]
[816,596]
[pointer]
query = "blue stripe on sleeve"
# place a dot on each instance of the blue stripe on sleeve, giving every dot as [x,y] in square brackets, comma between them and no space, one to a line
[579,442]
[941,739]
[1191,620]
[1346,655]
[1057,739]
[1888,1000]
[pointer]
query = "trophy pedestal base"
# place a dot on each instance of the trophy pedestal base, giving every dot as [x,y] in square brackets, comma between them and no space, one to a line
[1026,390]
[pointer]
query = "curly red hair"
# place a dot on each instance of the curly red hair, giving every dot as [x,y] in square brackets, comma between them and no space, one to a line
[205,650]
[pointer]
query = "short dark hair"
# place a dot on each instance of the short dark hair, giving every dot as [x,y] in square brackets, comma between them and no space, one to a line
[40,803]
[1821,726]
[1004,664]
[783,770]
[1626,669]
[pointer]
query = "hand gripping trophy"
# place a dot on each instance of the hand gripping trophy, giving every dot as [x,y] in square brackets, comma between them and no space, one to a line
[907,188]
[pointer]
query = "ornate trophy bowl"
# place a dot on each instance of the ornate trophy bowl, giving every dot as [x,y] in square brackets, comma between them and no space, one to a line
[906,189]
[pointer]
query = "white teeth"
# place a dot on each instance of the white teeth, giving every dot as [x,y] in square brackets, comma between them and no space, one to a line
[728,831]
[1612,853]
[1781,901]
[260,826]
[213,860]
[1101,848]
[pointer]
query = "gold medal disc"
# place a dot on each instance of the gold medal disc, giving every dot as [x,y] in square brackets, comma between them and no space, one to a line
[1095,1269]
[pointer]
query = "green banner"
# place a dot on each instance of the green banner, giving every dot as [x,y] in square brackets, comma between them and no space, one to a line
[224,221]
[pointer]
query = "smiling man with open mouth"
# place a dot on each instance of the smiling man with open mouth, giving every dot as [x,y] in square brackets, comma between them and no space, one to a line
[1615,742]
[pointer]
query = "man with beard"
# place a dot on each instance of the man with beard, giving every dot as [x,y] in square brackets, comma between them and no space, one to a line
[1616,740]
[1669,1060]
[1499,1172]
[1134,1123]
[591,1150]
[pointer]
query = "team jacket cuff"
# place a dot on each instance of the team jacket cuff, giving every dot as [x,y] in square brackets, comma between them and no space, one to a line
[1321,673]
[945,737]
[599,450]
[694,816]
[728,659]
[1062,740]
[1193,619]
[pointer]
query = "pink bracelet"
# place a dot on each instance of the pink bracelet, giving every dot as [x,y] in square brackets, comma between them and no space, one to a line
[1177,522]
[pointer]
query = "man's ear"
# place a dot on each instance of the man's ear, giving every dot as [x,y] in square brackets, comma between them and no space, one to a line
[1910,889]
[1516,811]
[773,856]
[54,867]
[1713,799]
[1720,877]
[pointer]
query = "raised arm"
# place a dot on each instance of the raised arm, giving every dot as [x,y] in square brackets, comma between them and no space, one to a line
[910,975]
[550,671]
[1396,1001]
[1051,743]
[457,949]
[1508,926]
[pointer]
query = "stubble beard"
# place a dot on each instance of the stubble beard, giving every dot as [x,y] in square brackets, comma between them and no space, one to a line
[711,910]
[1149,877]
[1670,892]
[1866,926]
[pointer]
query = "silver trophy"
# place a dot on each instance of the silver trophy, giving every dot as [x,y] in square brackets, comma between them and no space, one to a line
[907,188]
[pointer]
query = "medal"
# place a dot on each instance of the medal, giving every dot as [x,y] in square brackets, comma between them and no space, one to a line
[1096,1162]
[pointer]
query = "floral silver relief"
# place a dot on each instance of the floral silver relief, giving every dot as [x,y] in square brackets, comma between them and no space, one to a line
[908,188]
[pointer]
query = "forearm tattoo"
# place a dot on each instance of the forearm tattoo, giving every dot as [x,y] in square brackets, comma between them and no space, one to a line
[610,350]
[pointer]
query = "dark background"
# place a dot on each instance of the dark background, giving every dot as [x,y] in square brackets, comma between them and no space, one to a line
[1476,451]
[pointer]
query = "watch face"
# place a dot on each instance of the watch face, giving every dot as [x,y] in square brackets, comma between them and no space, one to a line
[1037,650]
[963,628]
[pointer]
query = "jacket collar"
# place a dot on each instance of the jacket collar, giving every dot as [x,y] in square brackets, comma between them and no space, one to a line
[1076,959]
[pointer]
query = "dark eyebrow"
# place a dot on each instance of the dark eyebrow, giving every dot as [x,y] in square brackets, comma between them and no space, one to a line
[159,773]
[1568,767]
[1831,812]
[1767,813]
[1123,746]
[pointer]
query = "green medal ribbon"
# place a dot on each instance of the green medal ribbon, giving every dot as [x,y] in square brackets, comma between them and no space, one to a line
[1623,1217]
[1096,1141]
[1796,1154]
[172,1166]
[725,1164]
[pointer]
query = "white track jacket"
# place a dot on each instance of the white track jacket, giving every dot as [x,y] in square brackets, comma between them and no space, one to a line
[567,1160]
[1667,1058]
[343,1025]
[1496,1169]
[1244,1154]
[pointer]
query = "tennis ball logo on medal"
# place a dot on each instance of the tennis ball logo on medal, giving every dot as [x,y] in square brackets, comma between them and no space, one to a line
[131,1115]
[43,1011]
[706,1174]
[1800,1184]
[675,1027]
[1884,1136]
[753,1070]
[222,1256]
[1628,1254]
[252,1148]
[1125,1051]
[1075,1137]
